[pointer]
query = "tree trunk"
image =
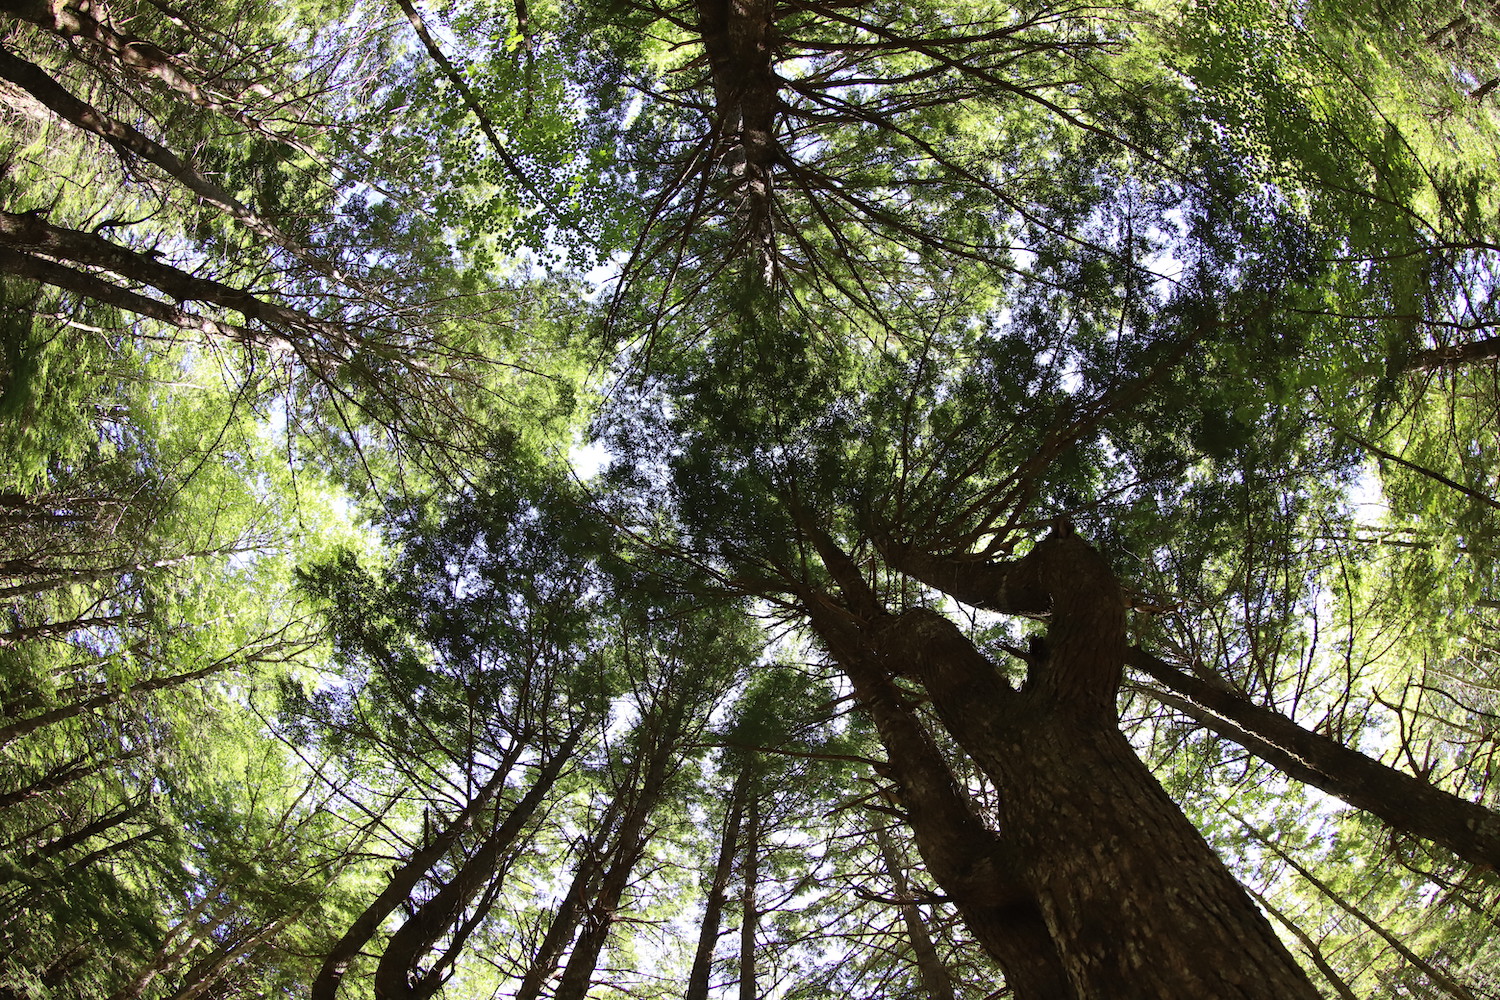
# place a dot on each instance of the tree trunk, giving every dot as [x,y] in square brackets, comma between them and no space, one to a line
[15,730]
[967,859]
[739,41]
[57,777]
[570,911]
[46,629]
[68,841]
[1135,900]
[936,982]
[414,938]
[402,881]
[713,905]
[1405,802]
[749,915]
[630,844]
[1458,355]
[29,234]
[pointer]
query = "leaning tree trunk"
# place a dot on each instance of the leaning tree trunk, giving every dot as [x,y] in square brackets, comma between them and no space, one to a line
[412,941]
[403,881]
[1134,899]
[564,923]
[1404,801]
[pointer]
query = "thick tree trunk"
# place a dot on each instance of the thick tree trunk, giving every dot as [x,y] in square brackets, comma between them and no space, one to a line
[966,858]
[713,905]
[1404,801]
[739,39]
[1135,900]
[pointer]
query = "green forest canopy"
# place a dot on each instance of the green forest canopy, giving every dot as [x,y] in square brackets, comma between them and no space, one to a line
[1042,542]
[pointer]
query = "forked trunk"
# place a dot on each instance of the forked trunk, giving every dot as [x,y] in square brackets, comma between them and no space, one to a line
[1133,899]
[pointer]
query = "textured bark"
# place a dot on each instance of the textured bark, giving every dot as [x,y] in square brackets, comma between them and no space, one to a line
[931,971]
[739,37]
[397,976]
[1137,901]
[713,905]
[129,50]
[1405,802]
[1458,355]
[1133,898]
[966,859]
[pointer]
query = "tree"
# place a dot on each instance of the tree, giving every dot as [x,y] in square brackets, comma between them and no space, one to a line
[988,397]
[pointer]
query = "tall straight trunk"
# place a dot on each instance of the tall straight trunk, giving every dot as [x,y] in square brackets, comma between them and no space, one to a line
[415,938]
[739,39]
[749,915]
[1134,899]
[936,982]
[713,905]
[564,923]
[401,883]
[1404,801]
[630,844]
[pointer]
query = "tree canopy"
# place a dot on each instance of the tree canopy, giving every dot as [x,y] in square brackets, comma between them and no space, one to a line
[759,498]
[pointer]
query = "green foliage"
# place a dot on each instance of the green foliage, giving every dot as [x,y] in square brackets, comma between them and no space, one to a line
[1173,271]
